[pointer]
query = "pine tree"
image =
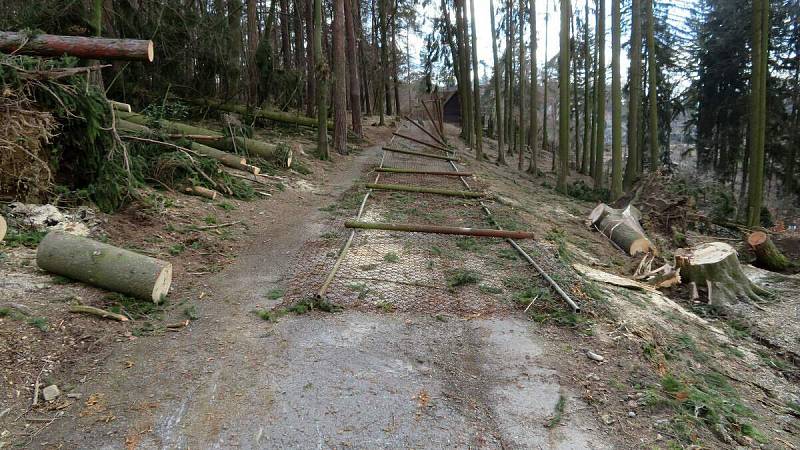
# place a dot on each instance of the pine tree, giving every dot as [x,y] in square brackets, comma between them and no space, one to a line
[522,80]
[339,80]
[616,102]
[477,116]
[501,157]
[563,104]
[321,74]
[652,72]
[533,132]
[634,162]
[758,110]
[600,86]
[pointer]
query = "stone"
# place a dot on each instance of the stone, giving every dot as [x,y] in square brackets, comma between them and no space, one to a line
[594,356]
[51,393]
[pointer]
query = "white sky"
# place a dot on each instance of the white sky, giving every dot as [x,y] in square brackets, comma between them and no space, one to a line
[484,36]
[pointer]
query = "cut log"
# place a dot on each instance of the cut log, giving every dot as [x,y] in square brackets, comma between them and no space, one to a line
[424,190]
[228,159]
[275,116]
[219,141]
[105,266]
[119,106]
[423,172]
[715,265]
[200,191]
[435,229]
[97,312]
[3,228]
[767,254]
[81,47]
[622,227]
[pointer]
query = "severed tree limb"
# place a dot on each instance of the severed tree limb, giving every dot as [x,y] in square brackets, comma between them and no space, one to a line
[97,312]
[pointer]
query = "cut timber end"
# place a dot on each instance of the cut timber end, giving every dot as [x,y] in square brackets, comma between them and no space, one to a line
[200,191]
[78,46]
[3,228]
[767,254]
[105,266]
[622,227]
[715,265]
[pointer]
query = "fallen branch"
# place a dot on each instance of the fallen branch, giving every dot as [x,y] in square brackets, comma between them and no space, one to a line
[424,190]
[97,312]
[435,229]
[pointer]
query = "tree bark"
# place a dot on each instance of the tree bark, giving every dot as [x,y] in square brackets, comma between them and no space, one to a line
[353,57]
[340,79]
[501,157]
[286,50]
[616,102]
[758,87]
[200,191]
[533,132]
[767,254]
[655,162]
[252,47]
[633,163]
[81,47]
[476,87]
[522,81]
[384,62]
[621,227]
[587,105]
[600,107]
[715,266]
[321,74]
[563,101]
[105,266]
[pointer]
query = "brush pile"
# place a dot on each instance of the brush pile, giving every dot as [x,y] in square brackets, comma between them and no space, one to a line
[59,143]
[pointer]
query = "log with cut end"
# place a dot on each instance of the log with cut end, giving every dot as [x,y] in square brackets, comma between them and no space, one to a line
[200,191]
[279,153]
[3,228]
[622,227]
[767,254]
[119,106]
[228,159]
[105,266]
[79,46]
[715,266]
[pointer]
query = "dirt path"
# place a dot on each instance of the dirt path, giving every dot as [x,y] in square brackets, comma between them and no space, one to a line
[352,379]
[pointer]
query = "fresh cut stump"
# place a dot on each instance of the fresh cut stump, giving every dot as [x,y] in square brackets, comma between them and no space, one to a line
[105,266]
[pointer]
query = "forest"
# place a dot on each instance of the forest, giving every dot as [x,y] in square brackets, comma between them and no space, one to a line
[400,223]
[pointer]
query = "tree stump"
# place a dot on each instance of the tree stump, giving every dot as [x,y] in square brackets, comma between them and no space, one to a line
[104,266]
[767,254]
[715,265]
[622,227]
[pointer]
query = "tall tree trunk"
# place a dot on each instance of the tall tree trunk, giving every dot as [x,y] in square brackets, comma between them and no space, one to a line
[384,62]
[352,67]
[533,132]
[297,20]
[563,100]
[501,157]
[311,67]
[522,81]
[634,104]
[760,45]
[574,61]
[509,94]
[340,79]
[593,130]
[600,108]
[652,86]
[286,51]
[616,101]
[252,47]
[234,44]
[545,75]
[321,73]
[395,66]
[587,106]
[476,87]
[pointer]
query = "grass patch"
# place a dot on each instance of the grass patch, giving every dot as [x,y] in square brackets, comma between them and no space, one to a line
[558,237]
[18,238]
[191,312]
[177,249]
[368,267]
[467,244]
[490,289]
[5,312]
[38,322]
[558,414]
[134,308]
[226,206]
[462,277]
[391,257]
[275,294]
[508,253]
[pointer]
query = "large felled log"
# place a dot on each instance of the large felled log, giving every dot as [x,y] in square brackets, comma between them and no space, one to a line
[104,266]
[275,116]
[200,191]
[279,153]
[767,255]
[715,266]
[81,47]
[3,228]
[622,227]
